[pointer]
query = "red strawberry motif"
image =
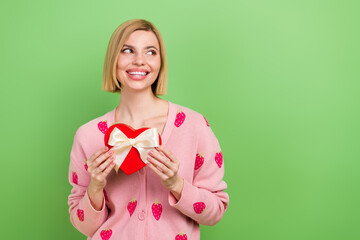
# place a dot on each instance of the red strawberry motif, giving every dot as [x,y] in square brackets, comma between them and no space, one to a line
[85,165]
[75,177]
[80,214]
[219,159]
[105,196]
[106,234]
[102,125]
[180,117]
[199,207]
[131,206]
[181,236]
[207,124]
[199,160]
[156,210]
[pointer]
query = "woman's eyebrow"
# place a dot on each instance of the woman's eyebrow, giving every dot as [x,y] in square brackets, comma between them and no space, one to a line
[125,45]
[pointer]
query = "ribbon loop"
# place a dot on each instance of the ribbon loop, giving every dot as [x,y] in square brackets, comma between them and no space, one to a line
[122,144]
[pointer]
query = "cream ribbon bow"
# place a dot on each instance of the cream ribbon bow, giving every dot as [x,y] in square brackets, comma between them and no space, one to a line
[122,144]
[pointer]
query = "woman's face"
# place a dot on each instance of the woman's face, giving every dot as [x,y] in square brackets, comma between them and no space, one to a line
[139,61]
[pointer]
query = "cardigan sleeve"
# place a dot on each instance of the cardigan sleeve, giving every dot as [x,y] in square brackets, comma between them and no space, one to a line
[83,216]
[204,200]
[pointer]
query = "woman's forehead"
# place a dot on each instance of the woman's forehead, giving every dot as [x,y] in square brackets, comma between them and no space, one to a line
[142,38]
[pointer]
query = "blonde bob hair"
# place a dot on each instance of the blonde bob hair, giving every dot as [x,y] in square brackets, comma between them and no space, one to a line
[110,82]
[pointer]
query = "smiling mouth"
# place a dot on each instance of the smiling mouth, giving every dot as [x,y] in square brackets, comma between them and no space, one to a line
[138,73]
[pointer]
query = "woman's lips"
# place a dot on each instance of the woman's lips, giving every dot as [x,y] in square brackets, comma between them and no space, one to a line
[137,75]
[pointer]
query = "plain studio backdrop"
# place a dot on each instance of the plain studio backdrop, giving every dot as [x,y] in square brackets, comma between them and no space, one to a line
[277,80]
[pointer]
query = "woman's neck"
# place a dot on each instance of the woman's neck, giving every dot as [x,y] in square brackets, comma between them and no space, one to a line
[135,107]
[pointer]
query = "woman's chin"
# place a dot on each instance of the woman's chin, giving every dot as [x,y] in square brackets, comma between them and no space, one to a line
[138,89]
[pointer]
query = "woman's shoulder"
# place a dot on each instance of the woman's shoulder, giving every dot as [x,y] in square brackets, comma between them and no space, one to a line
[187,114]
[96,126]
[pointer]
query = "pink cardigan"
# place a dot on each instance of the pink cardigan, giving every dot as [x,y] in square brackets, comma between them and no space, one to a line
[138,206]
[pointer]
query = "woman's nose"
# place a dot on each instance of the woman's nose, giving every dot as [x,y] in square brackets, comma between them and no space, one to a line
[139,59]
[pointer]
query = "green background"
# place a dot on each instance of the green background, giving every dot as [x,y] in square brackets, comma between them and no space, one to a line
[277,80]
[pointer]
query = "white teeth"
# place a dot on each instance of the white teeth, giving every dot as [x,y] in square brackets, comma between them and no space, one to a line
[138,73]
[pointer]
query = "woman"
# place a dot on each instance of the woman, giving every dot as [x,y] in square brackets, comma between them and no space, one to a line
[182,184]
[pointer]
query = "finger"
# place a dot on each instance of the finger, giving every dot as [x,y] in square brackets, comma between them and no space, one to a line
[94,167]
[171,165]
[159,166]
[102,158]
[105,164]
[97,154]
[162,154]
[167,153]
[156,171]
[108,169]
[160,157]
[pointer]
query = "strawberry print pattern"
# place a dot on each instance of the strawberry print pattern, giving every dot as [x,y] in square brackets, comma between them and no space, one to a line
[75,177]
[80,214]
[102,125]
[181,236]
[106,234]
[199,207]
[199,160]
[131,206]
[180,118]
[156,210]
[85,165]
[219,159]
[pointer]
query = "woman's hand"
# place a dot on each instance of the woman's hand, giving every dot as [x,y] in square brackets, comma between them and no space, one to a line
[166,166]
[99,166]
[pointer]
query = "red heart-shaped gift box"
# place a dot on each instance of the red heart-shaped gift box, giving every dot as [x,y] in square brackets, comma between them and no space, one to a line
[132,162]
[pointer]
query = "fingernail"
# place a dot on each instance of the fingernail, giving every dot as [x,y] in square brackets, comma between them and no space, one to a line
[110,152]
[151,152]
[106,148]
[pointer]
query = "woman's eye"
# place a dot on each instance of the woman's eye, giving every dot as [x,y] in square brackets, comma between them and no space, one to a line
[126,50]
[152,52]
